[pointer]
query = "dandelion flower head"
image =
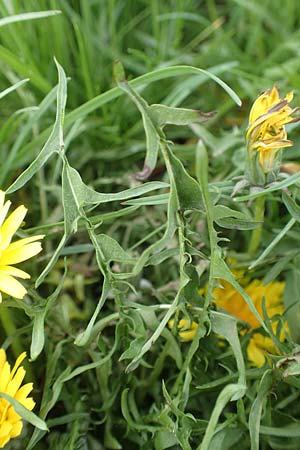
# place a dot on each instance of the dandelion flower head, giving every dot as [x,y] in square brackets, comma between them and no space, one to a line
[228,299]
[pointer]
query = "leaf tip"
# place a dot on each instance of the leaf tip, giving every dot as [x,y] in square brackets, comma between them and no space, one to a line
[144,174]
[118,71]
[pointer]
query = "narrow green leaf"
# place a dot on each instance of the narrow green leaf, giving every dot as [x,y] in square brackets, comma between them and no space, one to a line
[152,136]
[27,415]
[228,392]
[38,333]
[27,70]
[164,115]
[237,224]
[27,16]
[288,431]
[273,244]
[13,87]
[256,408]
[52,261]
[150,200]
[272,188]
[277,268]
[54,143]
[44,106]
[225,326]
[291,206]
[223,272]
[143,80]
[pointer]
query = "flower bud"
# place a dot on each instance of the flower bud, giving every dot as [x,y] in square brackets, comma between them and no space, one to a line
[266,135]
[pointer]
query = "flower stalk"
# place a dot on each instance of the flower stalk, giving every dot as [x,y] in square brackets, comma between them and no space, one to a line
[259,213]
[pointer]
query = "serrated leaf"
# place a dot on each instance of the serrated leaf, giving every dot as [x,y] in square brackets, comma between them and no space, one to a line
[88,196]
[76,194]
[185,189]
[112,250]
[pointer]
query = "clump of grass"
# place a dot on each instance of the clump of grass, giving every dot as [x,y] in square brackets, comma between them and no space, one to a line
[142,231]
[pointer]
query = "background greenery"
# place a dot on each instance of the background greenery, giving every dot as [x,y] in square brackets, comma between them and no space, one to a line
[250,45]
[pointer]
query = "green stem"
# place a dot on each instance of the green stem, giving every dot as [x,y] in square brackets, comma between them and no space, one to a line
[259,213]
[16,345]
[9,328]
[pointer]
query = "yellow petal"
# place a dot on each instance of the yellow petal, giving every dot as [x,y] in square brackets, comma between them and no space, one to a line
[187,335]
[9,270]
[4,376]
[16,382]
[23,392]
[255,354]
[17,428]
[11,256]
[2,358]
[11,224]
[12,416]
[18,363]
[22,242]
[12,287]
[5,429]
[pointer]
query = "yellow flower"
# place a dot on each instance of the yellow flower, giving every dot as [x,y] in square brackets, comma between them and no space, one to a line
[188,329]
[228,299]
[14,252]
[266,133]
[10,384]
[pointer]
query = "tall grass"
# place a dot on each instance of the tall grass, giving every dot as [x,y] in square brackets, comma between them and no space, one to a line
[100,381]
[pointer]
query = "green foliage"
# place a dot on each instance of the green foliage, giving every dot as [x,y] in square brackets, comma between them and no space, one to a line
[139,190]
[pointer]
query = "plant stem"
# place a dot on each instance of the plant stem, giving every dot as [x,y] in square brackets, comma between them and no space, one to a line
[9,328]
[259,213]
